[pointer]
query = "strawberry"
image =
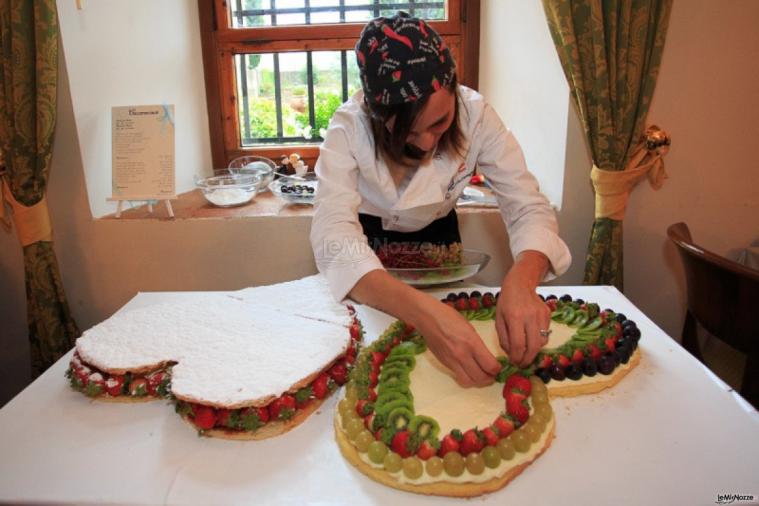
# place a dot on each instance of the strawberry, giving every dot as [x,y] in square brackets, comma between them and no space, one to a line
[339,373]
[490,436]
[488,300]
[461,304]
[611,343]
[373,378]
[594,352]
[364,408]
[400,444]
[263,414]
[504,425]
[551,303]
[138,387]
[204,417]
[222,417]
[320,386]
[377,358]
[449,303]
[618,329]
[408,329]
[604,315]
[546,362]
[282,408]
[372,395]
[355,332]
[114,385]
[472,442]
[577,356]
[368,419]
[154,381]
[563,361]
[516,408]
[517,382]
[474,303]
[448,444]
[426,450]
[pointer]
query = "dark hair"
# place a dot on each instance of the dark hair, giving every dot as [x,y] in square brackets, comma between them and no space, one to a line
[392,145]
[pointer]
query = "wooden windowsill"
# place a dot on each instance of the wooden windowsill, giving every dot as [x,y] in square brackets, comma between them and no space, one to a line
[193,206]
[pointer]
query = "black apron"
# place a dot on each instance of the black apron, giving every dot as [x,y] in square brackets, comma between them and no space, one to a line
[443,231]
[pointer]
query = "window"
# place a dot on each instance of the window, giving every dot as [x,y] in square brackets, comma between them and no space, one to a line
[276,70]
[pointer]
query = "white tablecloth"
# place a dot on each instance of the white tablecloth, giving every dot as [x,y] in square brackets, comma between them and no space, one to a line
[670,433]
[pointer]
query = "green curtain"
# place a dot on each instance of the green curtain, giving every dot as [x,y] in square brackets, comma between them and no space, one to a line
[28,82]
[610,51]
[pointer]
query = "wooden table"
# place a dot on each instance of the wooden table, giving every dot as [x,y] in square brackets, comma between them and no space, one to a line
[669,433]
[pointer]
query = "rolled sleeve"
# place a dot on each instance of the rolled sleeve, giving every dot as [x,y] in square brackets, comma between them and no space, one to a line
[529,218]
[340,247]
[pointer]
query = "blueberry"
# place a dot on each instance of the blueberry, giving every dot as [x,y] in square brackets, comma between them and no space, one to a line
[589,367]
[565,298]
[497,294]
[580,301]
[631,333]
[606,364]
[624,352]
[463,295]
[617,358]
[285,189]
[310,190]
[628,323]
[488,295]
[573,372]
[475,294]
[551,297]
[542,298]
[451,297]
[544,374]
[557,372]
[621,317]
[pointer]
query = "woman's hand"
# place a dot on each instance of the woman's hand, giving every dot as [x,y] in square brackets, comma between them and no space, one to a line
[449,335]
[520,313]
[456,344]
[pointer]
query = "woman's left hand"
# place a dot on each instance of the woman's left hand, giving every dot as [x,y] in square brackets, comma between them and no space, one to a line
[520,313]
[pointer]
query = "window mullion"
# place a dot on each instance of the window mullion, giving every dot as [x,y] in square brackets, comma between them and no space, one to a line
[344,70]
[278,95]
[311,98]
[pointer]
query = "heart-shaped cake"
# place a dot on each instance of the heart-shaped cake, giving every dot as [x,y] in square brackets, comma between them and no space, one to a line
[243,365]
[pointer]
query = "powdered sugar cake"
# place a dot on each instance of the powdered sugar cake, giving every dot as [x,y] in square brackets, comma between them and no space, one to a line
[229,360]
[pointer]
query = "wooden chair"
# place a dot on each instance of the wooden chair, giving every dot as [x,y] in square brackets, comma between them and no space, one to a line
[722,297]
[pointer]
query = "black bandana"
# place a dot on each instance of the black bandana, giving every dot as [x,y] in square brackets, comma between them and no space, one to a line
[402,59]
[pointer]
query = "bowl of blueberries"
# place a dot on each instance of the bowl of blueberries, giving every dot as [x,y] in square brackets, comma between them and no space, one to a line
[295,189]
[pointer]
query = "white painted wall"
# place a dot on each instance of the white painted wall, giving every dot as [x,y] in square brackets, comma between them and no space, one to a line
[708,100]
[521,77]
[133,53]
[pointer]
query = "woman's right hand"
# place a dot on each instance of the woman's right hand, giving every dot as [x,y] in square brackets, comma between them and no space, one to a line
[449,335]
[456,344]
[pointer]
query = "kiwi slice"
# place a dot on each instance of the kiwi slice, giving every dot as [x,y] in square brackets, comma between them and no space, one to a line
[399,418]
[424,426]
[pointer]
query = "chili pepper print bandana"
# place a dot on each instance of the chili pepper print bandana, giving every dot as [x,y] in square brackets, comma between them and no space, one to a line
[402,59]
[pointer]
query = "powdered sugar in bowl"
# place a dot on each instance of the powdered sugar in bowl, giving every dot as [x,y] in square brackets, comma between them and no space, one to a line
[229,190]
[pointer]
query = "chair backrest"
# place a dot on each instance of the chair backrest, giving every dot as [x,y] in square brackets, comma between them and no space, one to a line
[723,295]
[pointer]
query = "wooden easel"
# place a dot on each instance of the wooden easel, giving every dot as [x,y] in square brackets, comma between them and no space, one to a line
[120,206]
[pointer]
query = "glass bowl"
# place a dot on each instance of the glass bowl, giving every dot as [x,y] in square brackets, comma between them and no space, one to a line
[295,189]
[257,165]
[229,190]
[472,262]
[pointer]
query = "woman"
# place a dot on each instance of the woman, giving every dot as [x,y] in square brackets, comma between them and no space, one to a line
[393,163]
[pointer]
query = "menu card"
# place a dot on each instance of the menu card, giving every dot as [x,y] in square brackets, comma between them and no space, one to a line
[142,152]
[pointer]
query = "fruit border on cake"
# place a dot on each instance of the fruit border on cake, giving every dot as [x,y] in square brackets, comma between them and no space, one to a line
[379,432]
[603,349]
[248,422]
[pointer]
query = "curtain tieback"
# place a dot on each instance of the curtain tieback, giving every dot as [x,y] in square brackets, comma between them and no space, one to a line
[32,222]
[613,187]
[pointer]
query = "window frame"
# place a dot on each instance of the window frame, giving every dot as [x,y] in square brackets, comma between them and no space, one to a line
[220,43]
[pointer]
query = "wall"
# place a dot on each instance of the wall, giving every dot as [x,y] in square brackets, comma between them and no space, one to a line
[139,52]
[706,98]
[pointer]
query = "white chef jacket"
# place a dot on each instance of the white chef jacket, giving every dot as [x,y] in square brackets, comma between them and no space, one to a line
[353,180]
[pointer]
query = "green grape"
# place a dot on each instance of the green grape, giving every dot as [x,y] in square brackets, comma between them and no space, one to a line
[363,440]
[412,468]
[539,421]
[491,456]
[506,448]
[377,451]
[532,431]
[539,399]
[453,463]
[537,384]
[392,462]
[343,406]
[545,411]
[475,464]
[520,441]
[351,393]
[434,466]
[353,428]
